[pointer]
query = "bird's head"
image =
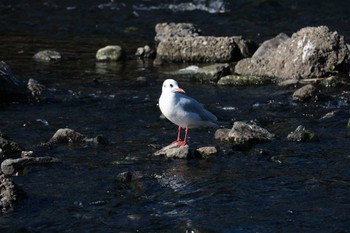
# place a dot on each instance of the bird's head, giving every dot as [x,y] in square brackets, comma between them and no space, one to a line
[171,86]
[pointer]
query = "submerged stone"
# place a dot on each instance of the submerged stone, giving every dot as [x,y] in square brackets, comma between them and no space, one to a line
[14,166]
[47,55]
[207,152]
[305,93]
[242,80]
[212,73]
[301,134]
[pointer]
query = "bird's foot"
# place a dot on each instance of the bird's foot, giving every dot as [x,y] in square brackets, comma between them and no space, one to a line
[179,142]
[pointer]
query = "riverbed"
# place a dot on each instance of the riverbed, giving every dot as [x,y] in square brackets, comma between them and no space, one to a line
[279,186]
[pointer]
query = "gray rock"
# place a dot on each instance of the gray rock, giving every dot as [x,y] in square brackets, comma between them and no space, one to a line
[305,93]
[47,55]
[66,135]
[271,45]
[174,151]
[241,80]
[212,73]
[243,134]
[145,52]
[300,134]
[36,89]
[10,194]
[182,42]
[207,152]
[246,47]
[222,134]
[197,49]
[14,166]
[110,53]
[9,148]
[124,177]
[165,31]
[310,52]
[333,81]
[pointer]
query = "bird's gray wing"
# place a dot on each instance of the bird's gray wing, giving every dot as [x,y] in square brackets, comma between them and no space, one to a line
[191,105]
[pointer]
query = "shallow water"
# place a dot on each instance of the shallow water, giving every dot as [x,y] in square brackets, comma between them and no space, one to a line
[274,187]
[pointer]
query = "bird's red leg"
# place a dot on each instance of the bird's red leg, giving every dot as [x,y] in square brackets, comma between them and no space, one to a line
[178,136]
[182,143]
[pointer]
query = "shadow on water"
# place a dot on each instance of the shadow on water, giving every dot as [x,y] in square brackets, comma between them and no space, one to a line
[274,187]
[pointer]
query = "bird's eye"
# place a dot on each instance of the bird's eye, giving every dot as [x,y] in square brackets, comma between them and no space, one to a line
[171,85]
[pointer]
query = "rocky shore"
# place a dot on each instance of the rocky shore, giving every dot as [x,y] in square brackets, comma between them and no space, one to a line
[310,59]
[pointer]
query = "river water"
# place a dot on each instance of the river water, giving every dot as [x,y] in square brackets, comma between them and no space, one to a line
[274,187]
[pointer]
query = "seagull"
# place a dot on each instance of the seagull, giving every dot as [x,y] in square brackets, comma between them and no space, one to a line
[183,110]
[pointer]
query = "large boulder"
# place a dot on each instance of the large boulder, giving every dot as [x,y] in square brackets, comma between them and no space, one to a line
[165,31]
[310,52]
[183,43]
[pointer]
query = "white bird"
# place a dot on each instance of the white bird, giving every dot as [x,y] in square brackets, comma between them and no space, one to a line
[183,110]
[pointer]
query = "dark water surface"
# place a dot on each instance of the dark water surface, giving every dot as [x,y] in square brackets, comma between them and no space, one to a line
[274,187]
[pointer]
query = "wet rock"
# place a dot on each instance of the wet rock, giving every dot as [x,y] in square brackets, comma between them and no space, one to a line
[332,81]
[10,87]
[98,140]
[242,80]
[310,52]
[66,135]
[124,177]
[222,134]
[190,70]
[301,134]
[182,42]
[329,115]
[246,47]
[243,134]
[207,152]
[47,55]
[305,93]
[145,52]
[197,49]
[271,45]
[9,148]
[36,89]
[174,151]
[10,194]
[14,166]
[165,31]
[110,53]
[212,73]
[203,49]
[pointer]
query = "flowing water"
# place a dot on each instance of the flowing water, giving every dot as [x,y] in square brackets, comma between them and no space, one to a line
[274,187]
